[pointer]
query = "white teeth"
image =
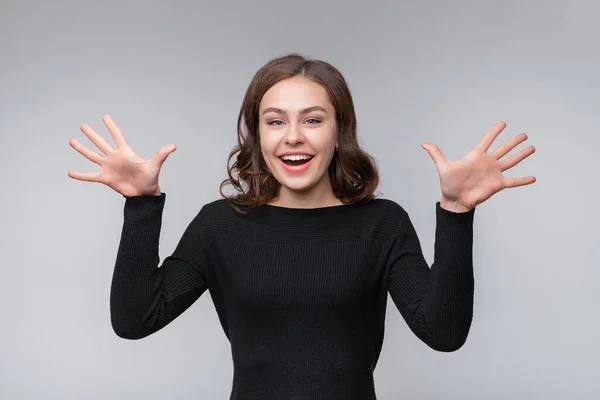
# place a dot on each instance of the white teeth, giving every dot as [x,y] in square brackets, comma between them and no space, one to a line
[296,157]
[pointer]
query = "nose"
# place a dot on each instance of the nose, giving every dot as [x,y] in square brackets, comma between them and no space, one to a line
[293,135]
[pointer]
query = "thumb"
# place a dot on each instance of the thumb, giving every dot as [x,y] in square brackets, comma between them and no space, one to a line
[161,155]
[436,155]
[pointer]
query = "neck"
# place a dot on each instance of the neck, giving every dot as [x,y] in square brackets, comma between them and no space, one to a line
[316,197]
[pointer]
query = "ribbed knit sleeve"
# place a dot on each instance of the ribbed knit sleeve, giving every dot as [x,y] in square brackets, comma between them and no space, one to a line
[436,302]
[145,297]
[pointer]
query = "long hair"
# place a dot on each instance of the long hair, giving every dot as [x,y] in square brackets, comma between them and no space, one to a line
[352,172]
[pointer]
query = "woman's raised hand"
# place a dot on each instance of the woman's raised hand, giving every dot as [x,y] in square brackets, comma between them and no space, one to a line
[477,176]
[121,169]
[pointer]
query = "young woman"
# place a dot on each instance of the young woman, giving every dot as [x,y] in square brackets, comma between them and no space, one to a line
[299,261]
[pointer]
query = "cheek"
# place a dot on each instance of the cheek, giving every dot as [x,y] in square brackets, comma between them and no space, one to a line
[267,149]
[325,142]
[268,141]
[328,160]
[268,154]
[265,146]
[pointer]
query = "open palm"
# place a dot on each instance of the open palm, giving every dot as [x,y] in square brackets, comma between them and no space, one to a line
[121,169]
[477,176]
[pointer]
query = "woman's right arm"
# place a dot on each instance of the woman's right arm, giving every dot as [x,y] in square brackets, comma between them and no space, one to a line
[145,297]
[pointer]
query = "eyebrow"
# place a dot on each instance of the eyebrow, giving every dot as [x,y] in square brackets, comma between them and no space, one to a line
[305,111]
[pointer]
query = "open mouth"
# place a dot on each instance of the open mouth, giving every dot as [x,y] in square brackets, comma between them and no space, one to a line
[296,160]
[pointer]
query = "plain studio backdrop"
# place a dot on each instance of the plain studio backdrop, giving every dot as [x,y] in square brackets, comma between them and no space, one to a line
[176,72]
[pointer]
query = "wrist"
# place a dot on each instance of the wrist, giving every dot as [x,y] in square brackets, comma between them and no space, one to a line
[453,206]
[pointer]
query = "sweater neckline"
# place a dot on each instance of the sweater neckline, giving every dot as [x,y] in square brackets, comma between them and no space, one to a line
[316,216]
[306,209]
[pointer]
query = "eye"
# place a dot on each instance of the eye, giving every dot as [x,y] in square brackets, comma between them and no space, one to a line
[275,122]
[313,121]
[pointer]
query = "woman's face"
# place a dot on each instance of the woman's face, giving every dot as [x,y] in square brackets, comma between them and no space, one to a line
[298,135]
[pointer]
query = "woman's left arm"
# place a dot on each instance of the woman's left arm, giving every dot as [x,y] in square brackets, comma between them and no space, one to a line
[437,302]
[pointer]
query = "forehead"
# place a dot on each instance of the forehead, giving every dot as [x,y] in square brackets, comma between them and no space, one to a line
[294,94]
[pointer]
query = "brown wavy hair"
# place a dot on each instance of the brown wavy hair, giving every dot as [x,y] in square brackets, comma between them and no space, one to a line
[353,172]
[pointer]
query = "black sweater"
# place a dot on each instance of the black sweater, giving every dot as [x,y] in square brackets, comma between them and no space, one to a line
[300,293]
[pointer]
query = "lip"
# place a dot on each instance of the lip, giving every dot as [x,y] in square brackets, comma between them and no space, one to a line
[296,168]
[295,153]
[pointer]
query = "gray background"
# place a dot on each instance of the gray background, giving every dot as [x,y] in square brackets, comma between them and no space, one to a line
[175,72]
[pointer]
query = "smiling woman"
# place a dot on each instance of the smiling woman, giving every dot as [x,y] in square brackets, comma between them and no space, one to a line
[297,140]
[301,260]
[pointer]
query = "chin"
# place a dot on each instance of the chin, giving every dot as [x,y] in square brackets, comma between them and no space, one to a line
[300,182]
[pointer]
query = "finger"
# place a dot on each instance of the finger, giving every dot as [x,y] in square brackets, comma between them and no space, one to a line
[490,136]
[87,153]
[436,154]
[161,155]
[97,139]
[517,158]
[84,176]
[115,131]
[507,146]
[515,182]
